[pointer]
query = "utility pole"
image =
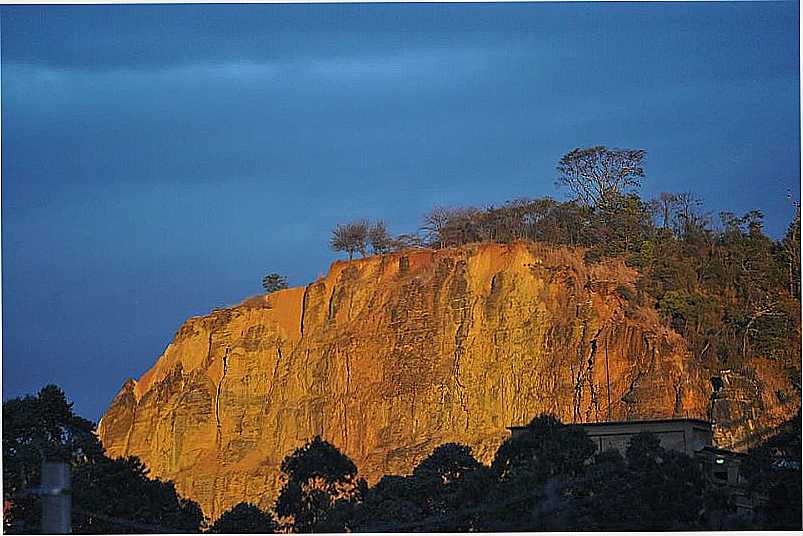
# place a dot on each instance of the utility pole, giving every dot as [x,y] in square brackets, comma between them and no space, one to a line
[56,495]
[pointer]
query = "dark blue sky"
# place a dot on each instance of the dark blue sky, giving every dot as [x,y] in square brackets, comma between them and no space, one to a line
[158,160]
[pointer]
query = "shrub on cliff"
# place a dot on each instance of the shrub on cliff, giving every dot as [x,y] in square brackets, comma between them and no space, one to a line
[273,282]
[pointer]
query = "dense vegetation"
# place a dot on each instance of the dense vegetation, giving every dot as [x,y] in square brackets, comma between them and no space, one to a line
[730,290]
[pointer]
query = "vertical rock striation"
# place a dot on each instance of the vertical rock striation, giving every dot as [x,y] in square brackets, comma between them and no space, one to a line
[388,357]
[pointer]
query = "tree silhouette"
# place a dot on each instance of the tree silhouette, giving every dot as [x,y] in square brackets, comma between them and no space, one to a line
[121,488]
[548,448]
[44,427]
[592,174]
[244,518]
[316,477]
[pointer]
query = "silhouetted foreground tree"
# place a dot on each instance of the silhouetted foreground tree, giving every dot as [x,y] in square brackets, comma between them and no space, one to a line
[110,491]
[317,480]
[43,427]
[441,494]
[108,496]
[535,461]
[244,518]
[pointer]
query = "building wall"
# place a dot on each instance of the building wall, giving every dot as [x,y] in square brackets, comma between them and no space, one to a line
[682,435]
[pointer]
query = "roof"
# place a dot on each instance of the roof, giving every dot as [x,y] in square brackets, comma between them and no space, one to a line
[723,452]
[609,423]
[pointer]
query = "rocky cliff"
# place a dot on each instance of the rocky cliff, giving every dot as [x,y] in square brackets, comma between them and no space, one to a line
[389,356]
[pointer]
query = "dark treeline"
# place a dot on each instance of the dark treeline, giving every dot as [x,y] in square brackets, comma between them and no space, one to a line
[547,479]
[730,290]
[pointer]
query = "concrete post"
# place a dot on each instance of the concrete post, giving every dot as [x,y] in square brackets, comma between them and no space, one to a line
[56,498]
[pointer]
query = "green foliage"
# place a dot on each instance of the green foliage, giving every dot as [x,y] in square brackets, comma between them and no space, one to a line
[317,480]
[244,518]
[273,282]
[620,226]
[677,306]
[732,293]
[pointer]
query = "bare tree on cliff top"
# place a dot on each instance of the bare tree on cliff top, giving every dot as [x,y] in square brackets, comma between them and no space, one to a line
[435,222]
[350,237]
[379,238]
[597,172]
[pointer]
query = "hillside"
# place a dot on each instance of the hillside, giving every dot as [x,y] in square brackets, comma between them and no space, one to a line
[389,356]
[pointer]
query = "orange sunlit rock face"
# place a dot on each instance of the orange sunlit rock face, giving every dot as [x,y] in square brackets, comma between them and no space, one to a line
[389,356]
